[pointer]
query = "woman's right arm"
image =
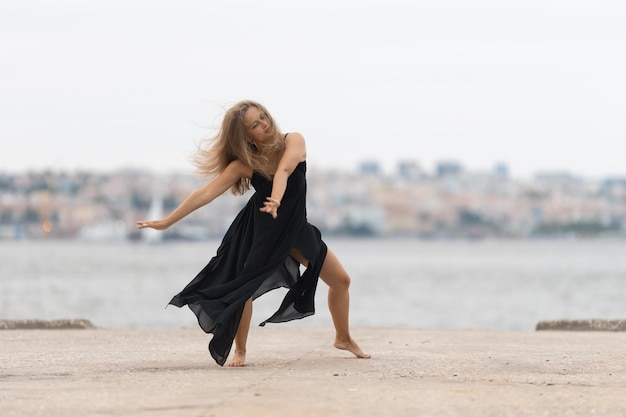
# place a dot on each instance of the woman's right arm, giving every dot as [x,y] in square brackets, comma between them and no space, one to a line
[202,196]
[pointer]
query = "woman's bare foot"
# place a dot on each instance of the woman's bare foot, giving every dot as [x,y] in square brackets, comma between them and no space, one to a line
[351,346]
[239,359]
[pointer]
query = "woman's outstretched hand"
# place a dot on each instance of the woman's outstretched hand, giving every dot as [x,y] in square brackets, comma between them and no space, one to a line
[152,224]
[271,206]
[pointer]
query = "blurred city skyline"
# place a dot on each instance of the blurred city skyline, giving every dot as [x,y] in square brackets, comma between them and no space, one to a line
[379,167]
[535,85]
[448,203]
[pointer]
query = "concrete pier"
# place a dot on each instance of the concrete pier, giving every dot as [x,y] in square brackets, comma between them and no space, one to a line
[602,325]
[61,324]
[295,372]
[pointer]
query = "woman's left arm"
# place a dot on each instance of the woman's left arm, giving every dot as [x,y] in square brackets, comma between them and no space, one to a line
[295,152]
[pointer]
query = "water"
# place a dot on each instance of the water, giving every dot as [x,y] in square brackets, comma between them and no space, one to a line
[498,285]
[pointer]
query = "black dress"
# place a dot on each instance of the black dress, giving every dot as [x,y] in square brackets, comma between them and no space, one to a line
[252,259]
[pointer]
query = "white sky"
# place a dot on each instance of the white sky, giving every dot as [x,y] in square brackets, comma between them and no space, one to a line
[538,84]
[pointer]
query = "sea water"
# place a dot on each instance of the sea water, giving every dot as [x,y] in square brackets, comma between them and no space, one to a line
[443,284]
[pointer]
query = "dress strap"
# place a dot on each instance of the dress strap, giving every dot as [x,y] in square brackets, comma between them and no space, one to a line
[285,137]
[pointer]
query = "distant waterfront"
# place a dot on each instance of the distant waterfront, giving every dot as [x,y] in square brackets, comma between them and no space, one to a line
[449,203]
[495,284]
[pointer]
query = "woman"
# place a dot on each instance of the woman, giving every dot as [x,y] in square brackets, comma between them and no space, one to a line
[268,240]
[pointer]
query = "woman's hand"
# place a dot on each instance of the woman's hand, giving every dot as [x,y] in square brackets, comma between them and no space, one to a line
[271,206]
[152,224]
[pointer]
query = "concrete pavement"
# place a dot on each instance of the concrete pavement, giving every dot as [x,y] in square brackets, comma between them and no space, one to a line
[294,371]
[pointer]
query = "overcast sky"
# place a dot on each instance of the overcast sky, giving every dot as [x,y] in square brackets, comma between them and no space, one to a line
[537,84]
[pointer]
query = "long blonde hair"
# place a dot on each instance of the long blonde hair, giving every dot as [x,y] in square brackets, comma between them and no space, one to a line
[231,143]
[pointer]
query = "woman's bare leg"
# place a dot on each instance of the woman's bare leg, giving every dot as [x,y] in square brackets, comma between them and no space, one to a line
[241,337]
[338,281]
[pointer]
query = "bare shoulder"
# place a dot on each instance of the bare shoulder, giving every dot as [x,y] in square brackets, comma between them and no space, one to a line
[294,144]
[238,169]
[294,137]
[295,152]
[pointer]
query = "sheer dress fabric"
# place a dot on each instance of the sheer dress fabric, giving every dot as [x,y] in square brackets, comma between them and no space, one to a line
[252,259]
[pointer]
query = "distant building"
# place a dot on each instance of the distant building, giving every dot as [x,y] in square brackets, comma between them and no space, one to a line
[501,170]
[448,169]
[556,177]
[370,168]
[614,188]
[409,170]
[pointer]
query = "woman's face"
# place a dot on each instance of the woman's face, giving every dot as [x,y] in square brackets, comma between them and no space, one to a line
[257,125]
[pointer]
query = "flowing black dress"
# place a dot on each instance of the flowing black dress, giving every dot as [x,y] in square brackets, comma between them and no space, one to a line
[252,259]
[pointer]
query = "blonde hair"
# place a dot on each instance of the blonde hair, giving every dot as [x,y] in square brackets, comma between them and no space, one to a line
[231,143]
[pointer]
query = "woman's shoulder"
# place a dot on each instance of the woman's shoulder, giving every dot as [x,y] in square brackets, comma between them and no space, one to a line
[295,146]
[294,136]
[295,140]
